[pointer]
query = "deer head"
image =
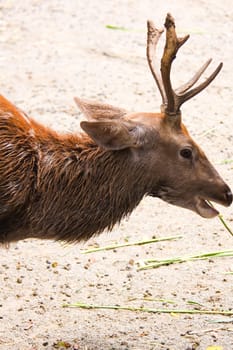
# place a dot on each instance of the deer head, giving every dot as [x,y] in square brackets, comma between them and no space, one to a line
[175,168]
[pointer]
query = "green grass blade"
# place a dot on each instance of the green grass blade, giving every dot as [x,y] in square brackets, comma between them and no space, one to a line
[113,27]
[222,220]
[128,244]
[150,310]
[154,263]
[225,224]
[226,161]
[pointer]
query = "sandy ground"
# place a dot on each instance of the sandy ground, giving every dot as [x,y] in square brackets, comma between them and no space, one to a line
[51,51]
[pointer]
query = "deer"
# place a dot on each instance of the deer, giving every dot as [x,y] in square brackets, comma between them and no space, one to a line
[69,187]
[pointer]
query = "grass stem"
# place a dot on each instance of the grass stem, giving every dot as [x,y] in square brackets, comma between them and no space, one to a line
[150,310]
[128,244]
[222,220]
[155,263]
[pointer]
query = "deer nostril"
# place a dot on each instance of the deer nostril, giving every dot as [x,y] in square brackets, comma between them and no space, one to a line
[229,197]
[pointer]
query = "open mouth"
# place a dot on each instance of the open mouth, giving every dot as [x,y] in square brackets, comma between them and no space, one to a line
[200,205]
[205,209]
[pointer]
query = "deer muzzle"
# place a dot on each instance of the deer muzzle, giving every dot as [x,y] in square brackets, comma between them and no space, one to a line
[206,209]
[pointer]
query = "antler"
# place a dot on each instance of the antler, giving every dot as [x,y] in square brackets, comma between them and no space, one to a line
[173,99]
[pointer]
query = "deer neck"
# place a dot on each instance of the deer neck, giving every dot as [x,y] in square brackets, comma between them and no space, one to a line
[91,189]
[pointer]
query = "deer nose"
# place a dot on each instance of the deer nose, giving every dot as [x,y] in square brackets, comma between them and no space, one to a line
[228,197]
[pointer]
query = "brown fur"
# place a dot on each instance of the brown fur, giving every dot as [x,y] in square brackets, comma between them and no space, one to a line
[69,187]
[53,186]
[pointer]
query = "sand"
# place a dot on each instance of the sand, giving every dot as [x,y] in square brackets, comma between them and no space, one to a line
[51,51]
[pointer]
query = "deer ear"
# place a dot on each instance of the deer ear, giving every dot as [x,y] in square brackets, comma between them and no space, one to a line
[97,110]
[115,135]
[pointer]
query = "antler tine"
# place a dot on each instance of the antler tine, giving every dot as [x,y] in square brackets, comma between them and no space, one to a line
[173,43]
[193,80]
[189,94]
[153,35]
[175,98]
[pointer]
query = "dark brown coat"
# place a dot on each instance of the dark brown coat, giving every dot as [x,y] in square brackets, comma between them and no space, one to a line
[69,187]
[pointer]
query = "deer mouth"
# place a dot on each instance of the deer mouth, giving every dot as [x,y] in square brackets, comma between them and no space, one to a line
[205,209]
[198,204]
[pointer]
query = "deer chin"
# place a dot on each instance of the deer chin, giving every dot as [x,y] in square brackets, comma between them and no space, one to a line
[204,209]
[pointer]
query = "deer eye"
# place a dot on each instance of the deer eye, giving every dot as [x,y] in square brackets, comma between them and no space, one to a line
[186,153]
